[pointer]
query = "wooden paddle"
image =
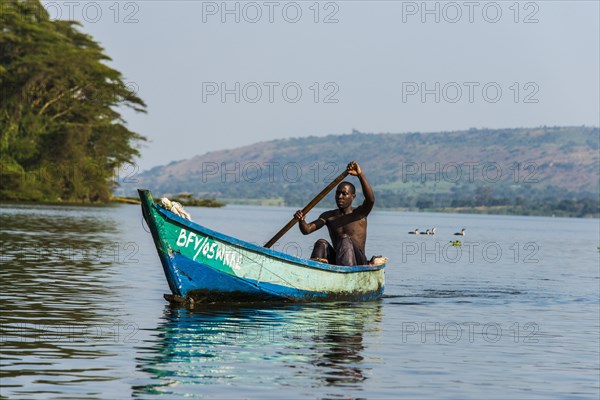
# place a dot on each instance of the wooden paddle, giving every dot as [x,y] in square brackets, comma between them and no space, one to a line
[306,209]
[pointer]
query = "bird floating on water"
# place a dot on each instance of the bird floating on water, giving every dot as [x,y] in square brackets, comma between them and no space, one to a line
[461,233]
[415,232]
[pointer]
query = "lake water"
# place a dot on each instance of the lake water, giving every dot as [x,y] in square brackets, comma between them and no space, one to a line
[512,313]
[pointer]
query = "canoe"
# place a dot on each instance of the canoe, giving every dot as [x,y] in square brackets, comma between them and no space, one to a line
[204,265]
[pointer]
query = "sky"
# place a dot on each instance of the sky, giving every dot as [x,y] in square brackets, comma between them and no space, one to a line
[218,75]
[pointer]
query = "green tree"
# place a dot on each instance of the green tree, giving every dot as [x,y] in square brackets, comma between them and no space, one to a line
[61,134]
[483,196]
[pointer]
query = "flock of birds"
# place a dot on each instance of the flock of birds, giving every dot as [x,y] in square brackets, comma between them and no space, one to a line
[455,243]
[432,232]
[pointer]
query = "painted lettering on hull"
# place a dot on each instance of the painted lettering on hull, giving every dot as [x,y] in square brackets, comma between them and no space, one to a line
[209,249]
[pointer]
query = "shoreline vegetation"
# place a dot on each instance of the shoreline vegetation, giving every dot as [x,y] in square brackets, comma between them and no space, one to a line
[185,201]
[541,211]
[510,210]
[62,132]
[214,203]
[189,201]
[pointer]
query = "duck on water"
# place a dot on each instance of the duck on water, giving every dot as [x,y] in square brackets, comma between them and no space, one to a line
[427,232]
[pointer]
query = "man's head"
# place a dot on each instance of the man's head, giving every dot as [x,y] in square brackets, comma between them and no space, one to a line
[345,194]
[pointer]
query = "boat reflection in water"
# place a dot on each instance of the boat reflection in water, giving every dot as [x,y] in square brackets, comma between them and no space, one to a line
[341,354]
[247,351]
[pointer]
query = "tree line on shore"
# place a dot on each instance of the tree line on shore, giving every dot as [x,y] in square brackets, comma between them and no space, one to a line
[62,136]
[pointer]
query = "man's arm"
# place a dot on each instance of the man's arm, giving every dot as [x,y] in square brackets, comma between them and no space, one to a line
[311,227]
[367,205]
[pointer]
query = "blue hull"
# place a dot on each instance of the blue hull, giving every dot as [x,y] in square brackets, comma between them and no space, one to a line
[206,265]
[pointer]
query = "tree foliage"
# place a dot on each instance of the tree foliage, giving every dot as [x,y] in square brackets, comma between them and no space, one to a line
[61,134]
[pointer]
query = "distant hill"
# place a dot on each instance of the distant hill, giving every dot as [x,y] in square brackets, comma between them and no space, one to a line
[546,170]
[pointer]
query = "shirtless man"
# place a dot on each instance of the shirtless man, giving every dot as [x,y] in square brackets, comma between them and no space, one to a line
[347,225]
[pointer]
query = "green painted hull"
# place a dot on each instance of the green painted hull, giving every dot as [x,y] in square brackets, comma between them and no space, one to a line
[208,265]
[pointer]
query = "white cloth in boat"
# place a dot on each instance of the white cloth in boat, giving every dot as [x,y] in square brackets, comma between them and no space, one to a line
[175,208]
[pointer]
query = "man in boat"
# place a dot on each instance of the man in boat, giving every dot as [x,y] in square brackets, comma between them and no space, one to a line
[347,225]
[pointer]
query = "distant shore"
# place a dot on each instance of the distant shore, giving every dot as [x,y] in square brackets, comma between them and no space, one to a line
[185,201]
[213,203]
[490,210]
[510,210]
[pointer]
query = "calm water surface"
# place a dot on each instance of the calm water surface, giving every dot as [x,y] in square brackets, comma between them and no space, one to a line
[512,313]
